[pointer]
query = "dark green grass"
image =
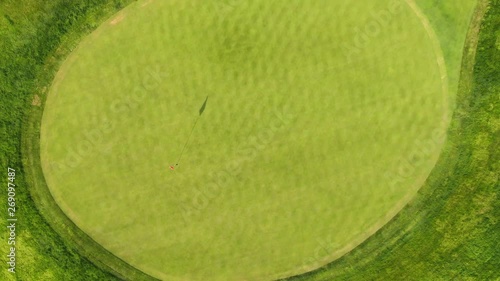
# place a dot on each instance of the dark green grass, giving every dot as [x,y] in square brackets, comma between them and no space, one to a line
[35,37]
[451,230]
[455,229]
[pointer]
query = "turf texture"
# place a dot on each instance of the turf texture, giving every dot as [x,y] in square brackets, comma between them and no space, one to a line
[323,120]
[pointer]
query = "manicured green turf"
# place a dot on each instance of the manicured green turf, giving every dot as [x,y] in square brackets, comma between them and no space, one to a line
[322,116]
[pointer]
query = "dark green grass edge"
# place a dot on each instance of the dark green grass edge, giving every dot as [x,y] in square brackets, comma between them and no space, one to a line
[71,234]
[450,230]
[63,251]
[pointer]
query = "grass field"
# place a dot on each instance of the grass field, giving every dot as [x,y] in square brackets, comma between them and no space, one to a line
[322,116]
[449,231]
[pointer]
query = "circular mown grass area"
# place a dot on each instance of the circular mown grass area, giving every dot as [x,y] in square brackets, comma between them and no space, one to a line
[323,119]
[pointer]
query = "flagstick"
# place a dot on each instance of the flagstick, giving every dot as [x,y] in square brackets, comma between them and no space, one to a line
[187,141]
[200,112]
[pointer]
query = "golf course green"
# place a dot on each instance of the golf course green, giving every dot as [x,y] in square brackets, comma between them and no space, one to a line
[323,119]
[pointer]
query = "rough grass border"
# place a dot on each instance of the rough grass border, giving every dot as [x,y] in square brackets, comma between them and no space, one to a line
[370,260]
[73,236]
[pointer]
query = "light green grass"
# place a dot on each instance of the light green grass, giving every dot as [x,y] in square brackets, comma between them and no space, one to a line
[300,155]
[450,20]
